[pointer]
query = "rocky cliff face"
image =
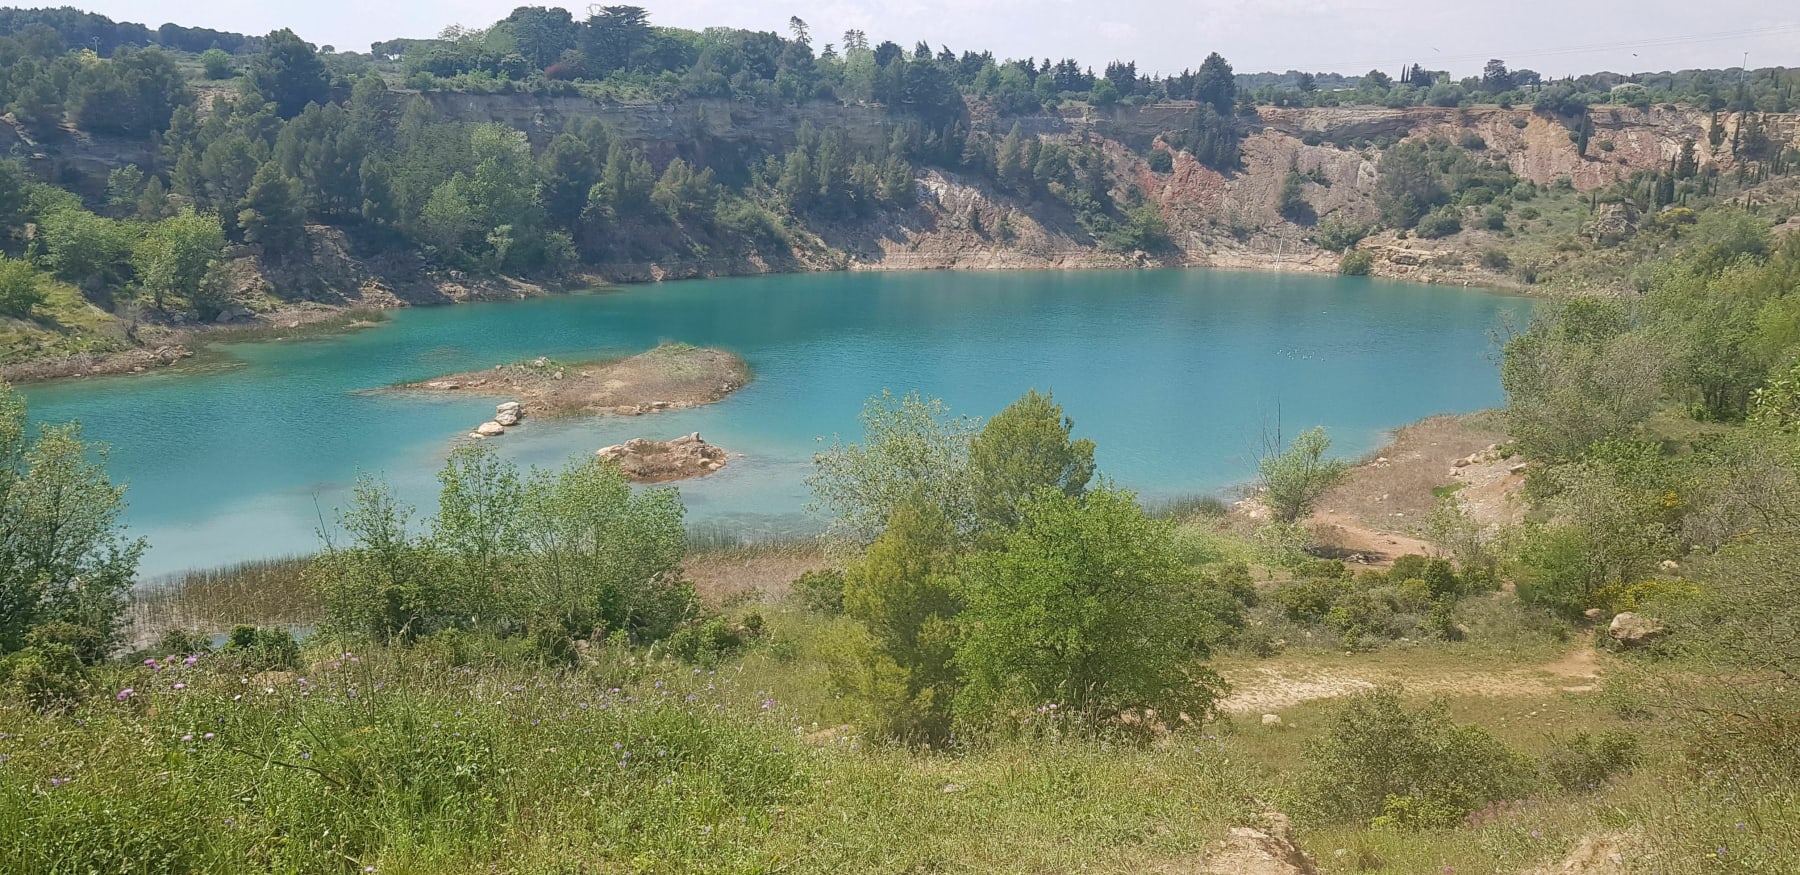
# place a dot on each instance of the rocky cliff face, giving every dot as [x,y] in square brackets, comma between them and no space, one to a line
[961,222]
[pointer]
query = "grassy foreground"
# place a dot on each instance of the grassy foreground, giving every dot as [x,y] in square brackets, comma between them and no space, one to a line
[469,754]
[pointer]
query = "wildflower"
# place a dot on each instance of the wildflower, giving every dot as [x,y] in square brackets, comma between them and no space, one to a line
[208,736]
[768,703]
[191,660]
[126,694]
[181,686]
[188,737]
[302,682]
[150,662]
[306,754]
[58,782]
[230,821]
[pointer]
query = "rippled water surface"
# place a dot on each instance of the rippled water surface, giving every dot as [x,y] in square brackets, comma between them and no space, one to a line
[1174,373]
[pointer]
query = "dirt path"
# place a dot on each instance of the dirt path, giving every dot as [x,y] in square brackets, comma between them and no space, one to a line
[1264,689]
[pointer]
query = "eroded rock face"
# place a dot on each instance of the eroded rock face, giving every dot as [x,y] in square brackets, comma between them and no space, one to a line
[648,461]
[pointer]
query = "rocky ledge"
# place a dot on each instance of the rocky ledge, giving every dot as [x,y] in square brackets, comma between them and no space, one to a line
[648,461]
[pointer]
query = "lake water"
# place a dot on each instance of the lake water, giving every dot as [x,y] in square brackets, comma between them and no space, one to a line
[1175,374]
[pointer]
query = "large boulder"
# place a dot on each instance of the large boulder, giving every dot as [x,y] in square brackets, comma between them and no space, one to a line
[490,429]
[1634,630]
[509,413]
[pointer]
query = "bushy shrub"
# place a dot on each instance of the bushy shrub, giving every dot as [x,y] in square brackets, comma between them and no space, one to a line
[1584,761]
[1495,259]
[48,678]
[182,642]
[1414,767]
[87,643]
[1441,222]
[1356,263]
[706,643]
[820,590]
[1338,234]
[1471,141]
[1161,161]
[261,649]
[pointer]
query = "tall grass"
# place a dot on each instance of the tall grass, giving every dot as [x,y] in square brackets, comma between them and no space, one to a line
[406,762]
[263,592]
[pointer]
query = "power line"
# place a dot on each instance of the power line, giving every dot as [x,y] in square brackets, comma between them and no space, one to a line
[1652,42]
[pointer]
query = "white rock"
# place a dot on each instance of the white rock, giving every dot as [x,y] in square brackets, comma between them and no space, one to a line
[490,429]
[1271,719]
[507,417]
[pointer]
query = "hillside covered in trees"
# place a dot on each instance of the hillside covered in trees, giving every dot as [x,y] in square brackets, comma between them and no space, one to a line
[163,178]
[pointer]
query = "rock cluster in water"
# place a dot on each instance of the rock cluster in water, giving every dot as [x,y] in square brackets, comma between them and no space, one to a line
[505,416]
[648,461]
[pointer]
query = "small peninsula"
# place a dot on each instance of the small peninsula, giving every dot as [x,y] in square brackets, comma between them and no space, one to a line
[672,376]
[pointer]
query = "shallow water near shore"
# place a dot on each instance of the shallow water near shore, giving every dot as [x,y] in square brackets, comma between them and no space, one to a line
[1176,375]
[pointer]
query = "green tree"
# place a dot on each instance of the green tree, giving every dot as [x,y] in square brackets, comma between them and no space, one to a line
[289,73]
[1216,85]
[1086,605]
[63,553]
[217,63]
[603,557]
[1290,201]
[271,216]
[381,583]
[683,193]
[912,448]
[1578,376]
[89,251]
[480,535]
[173,256]
[615,38]
[21,288]
[904,594]
[1024,448]
[1408,185]
[1295,478]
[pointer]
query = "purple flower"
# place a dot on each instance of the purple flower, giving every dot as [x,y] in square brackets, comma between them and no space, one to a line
[306,754]
[181,686]
[191,660]
[208,736]
[150,662]
[126,694]
[188,737]
[58,782]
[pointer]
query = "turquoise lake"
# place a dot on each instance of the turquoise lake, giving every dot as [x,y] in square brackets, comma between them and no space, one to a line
[1174,373]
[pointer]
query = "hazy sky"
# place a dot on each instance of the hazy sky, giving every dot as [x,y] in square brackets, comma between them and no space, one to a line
[1349,36]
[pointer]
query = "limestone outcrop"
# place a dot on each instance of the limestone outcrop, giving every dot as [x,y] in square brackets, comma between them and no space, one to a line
[651,461]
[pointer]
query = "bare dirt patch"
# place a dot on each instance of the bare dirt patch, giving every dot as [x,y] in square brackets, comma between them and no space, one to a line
[1373,516]
[669,377]
[1269,688]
